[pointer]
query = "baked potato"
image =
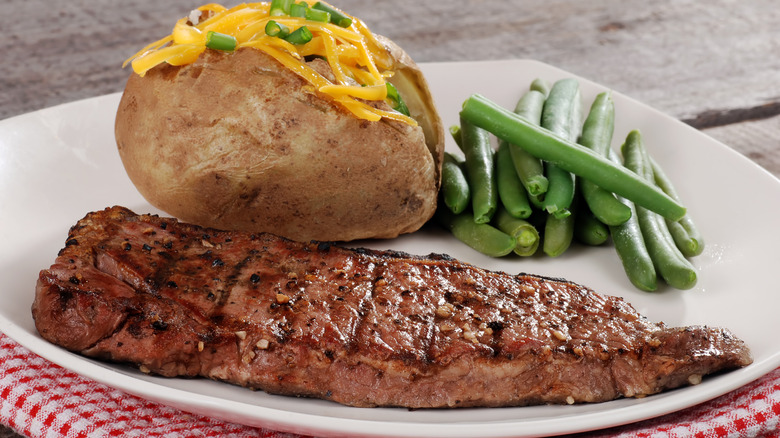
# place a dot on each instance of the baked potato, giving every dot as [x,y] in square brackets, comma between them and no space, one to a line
[236,139]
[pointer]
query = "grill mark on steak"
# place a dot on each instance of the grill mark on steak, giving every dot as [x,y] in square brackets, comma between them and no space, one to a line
[356,326]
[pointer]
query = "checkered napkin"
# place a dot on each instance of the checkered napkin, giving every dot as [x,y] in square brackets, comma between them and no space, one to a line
[41,399]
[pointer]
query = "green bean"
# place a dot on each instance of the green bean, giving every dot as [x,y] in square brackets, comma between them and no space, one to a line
[541,86]
[597,135]
[673,267]
[581,161]
[562,110]
[454,185]
[561,116]
[558,235]
[631,249]
[560,192]
[588,229]
[479,171]
[530,106]
[529,168]
[690,245]
[685,233]
[536,200]
[484,238]
[524,232]
[604,205]
[456,135]
[511,192]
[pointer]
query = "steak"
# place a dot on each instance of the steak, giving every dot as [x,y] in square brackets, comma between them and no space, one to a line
[356,326]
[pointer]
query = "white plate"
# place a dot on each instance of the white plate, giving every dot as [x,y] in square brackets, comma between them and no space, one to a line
[59,163]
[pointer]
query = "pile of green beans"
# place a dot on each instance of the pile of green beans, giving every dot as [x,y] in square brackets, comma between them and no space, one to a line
[553,180]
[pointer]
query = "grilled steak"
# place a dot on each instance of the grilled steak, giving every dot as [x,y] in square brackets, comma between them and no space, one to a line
[359,327]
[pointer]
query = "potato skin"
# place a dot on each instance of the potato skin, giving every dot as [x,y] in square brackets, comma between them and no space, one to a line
[237,141]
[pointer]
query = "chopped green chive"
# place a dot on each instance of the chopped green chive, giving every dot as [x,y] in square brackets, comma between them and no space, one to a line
[299,9]
[318,15]
[280,7]
[394,98]
[275,29]
[220,41]
[301,35]
[336,16]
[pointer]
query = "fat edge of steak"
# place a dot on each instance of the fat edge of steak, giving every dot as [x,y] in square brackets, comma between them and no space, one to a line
[356,326]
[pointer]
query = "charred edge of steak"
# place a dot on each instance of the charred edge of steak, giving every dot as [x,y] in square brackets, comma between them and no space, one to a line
[357,326]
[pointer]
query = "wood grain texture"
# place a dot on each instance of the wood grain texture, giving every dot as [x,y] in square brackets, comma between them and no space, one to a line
[683,58]
[759,140]
[713,64]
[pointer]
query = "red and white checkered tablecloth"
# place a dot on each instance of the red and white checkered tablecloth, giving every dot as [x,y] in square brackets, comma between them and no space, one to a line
[41,399]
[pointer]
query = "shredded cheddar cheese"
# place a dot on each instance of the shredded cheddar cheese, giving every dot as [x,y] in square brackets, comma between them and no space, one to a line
[360,64]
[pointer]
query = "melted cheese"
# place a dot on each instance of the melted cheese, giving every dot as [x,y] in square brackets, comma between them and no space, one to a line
[360,64]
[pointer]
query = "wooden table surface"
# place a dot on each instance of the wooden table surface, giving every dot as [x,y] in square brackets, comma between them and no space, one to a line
[713,64]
